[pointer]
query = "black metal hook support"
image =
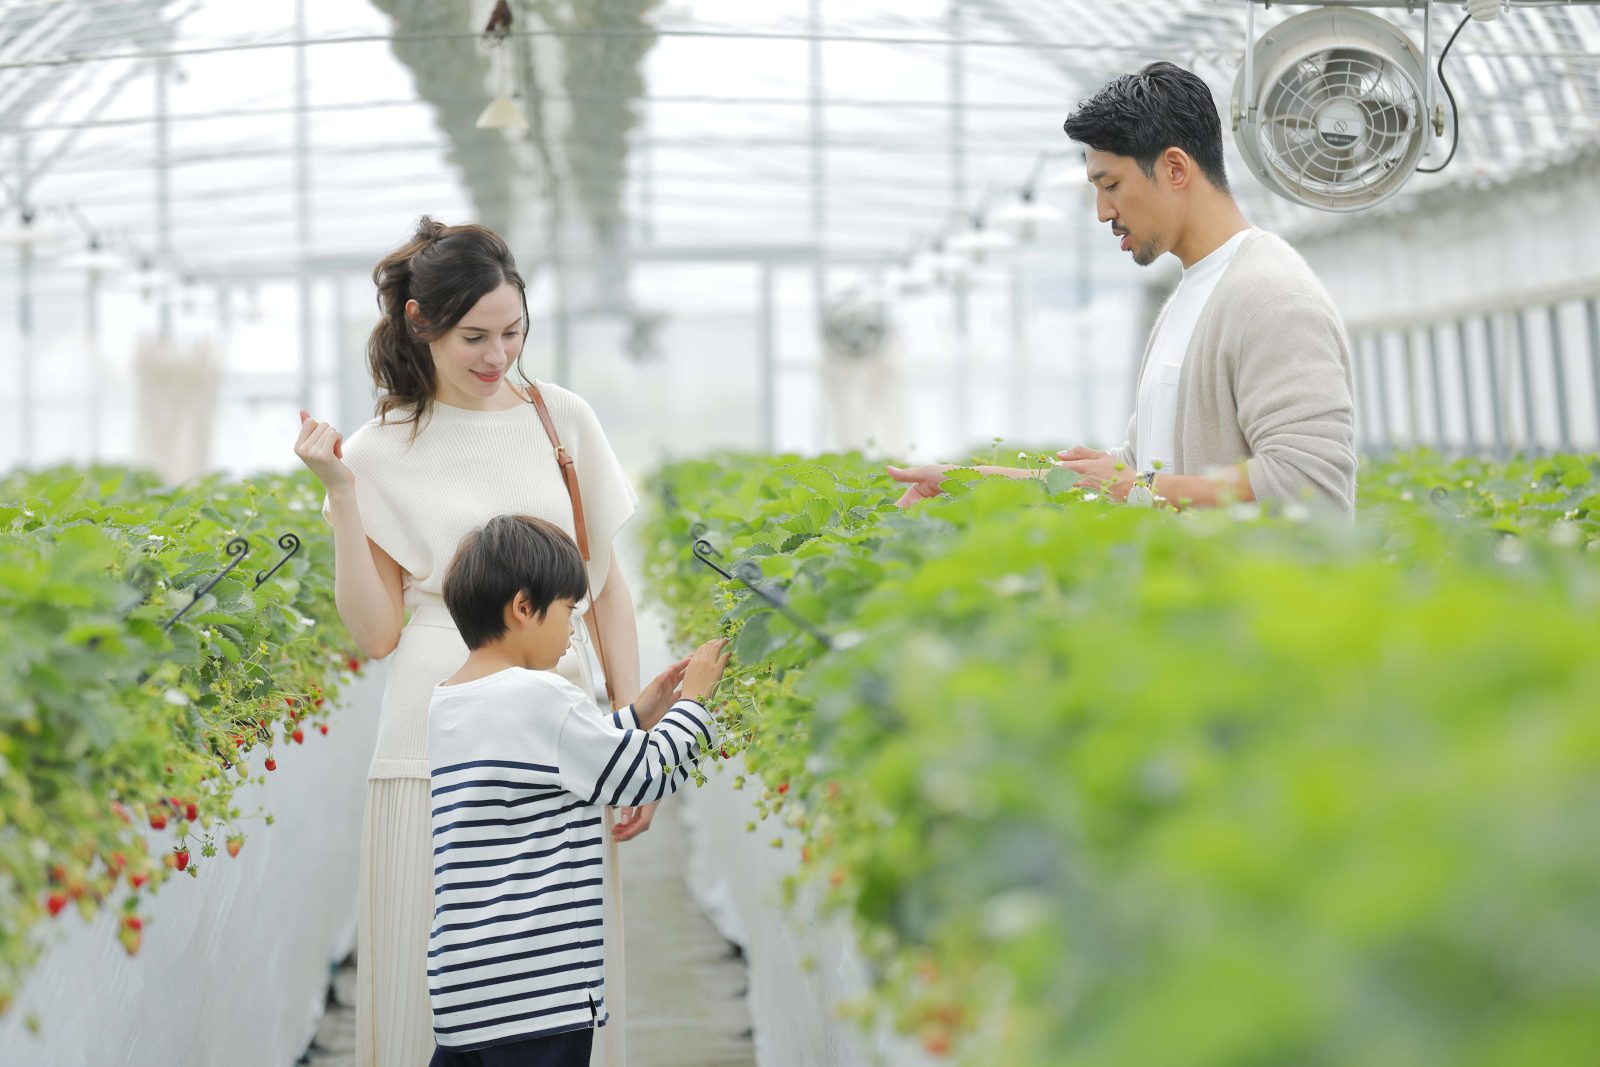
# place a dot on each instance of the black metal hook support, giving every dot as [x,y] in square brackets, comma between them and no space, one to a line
[747,572]
[288,541]
[1439,495]
[238,548]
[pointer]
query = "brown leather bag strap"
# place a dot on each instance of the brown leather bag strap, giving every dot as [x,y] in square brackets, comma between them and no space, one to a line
[569,474]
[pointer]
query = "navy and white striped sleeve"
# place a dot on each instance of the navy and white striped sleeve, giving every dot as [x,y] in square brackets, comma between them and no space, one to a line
[602,766]
[626,719]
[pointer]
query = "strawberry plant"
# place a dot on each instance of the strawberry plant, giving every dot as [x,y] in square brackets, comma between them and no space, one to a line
[1103,785]
[110,724]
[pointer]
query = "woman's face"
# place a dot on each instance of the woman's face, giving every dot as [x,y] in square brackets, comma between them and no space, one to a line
[470,361]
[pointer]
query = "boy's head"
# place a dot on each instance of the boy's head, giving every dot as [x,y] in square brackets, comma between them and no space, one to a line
[519,577]
[1154,151]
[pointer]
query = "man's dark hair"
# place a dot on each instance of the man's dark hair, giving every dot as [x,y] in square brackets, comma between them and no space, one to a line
[1142,115]
[512,554]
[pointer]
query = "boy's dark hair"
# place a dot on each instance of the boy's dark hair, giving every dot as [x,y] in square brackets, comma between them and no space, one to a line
[512,554]
[1142,115]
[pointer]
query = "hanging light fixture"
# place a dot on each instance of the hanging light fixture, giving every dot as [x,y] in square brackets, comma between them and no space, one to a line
[502,112]
[979,241]
[24,232]
[93,258]
[1023,216]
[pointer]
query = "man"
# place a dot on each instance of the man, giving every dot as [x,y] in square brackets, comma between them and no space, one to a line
[1245,390]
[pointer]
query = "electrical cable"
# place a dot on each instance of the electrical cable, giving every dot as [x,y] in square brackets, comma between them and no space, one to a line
[1455,112]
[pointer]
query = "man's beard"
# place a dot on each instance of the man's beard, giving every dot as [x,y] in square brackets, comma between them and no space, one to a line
[1148,252]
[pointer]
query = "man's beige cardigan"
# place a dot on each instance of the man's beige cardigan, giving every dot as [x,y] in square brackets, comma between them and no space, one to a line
[1267,381]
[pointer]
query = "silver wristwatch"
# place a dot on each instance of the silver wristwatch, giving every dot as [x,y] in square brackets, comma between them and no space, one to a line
[1142,494]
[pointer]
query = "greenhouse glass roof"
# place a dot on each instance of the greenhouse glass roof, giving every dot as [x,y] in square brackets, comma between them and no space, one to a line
[221,140]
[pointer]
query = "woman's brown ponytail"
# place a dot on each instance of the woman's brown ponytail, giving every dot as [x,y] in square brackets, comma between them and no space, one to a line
[446,270]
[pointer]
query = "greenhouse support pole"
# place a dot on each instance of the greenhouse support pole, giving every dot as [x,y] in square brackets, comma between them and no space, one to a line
[1558,364]
[1469,402]
[1380,381]
[91,329]
[1530,436]
[302,199]
[1499,400]
[959,301]
[1019,347]
[25,354]
[1085,340]
[769,362]
[1436,384]
[163,176]
[819,196]
[561,322]
[1413,412]
[1592,307]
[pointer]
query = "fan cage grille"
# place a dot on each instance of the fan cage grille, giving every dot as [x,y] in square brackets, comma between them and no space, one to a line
[1301,143]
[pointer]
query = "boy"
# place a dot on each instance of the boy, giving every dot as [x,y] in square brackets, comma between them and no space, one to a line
[522,762]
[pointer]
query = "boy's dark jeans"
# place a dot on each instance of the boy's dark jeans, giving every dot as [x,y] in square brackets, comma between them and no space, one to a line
[570,1049]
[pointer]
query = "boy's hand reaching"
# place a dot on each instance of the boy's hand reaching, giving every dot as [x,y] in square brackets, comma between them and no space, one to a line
[705,670]
[660,694]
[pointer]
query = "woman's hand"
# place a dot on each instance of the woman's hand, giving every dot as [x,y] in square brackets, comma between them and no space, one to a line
[631,822]
[923,481]
[321,448]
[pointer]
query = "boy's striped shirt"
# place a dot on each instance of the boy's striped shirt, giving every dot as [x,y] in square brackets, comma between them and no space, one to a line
[522,763]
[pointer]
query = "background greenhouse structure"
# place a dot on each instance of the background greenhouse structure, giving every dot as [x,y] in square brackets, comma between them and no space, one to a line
[802,227]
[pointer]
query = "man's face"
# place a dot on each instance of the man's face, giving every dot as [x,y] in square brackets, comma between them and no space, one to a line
[1133,203]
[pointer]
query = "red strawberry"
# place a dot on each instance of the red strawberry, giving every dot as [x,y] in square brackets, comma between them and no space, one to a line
[238,741]
[234,845]
[299,736]
[180,858]
[782,789]
[320,702]
[271,764]
[136,880]
[190,812]
[117,861]
[725,754]
[158,820]
[324,729]
[289,701]
[354,664]
[133,922]
[55,902]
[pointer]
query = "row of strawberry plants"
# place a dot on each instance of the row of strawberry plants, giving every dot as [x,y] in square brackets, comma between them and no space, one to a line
[1104,785]
[122,743]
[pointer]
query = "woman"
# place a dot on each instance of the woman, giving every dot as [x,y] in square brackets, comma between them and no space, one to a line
[453,445]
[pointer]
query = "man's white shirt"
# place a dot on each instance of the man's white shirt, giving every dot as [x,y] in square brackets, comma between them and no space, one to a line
[1158,386]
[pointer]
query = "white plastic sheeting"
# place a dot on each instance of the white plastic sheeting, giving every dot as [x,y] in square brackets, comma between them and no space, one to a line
[803,965]
[235,965]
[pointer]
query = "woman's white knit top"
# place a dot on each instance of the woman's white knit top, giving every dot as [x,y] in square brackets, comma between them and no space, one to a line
[420,496]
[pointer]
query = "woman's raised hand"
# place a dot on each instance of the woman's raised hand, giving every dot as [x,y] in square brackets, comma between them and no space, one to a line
[321,447]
